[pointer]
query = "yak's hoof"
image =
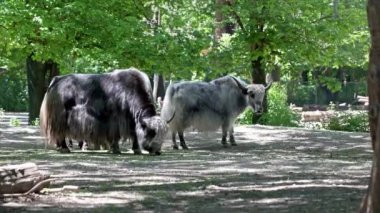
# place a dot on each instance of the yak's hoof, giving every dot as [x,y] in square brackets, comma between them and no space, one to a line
[175,147]
[116,152]
[137,152]
[224,144]
[155,153]
[64,150]
[184,146]
[233,143]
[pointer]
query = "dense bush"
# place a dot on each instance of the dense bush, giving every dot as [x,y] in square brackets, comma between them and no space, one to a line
[348,121]
[245,117]
[13,90]
[279,112]
[299,94]
[302,94]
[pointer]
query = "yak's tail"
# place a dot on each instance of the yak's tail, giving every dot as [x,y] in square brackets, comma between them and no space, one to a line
[52,118]
[168,107]
[44,121]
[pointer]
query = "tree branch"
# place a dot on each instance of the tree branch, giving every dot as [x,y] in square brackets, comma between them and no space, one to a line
[322,18]
[150,21]
[236,16]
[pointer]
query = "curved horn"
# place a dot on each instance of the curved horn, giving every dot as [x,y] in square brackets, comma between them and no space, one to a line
[168,121]
[243,88]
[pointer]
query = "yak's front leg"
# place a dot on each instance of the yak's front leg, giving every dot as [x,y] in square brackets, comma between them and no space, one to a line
[62,146]
[232,137]
[115,147]
[224,136]
[175,145]
[182,140]
[135,145]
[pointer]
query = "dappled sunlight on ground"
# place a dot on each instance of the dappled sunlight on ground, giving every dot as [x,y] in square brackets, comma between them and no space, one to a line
[273,169]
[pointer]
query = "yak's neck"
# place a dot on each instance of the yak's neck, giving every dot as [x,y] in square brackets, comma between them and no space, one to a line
[143,110]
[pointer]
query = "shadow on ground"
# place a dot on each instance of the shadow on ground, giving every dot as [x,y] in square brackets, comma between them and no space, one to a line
[271,170]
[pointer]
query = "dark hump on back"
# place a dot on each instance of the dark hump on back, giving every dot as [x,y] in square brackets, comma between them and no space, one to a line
[138,96]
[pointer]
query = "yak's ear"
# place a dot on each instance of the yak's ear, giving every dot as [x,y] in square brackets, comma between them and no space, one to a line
[244,89]
[140,119]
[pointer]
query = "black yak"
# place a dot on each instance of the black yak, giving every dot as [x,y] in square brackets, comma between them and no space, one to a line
[102,109]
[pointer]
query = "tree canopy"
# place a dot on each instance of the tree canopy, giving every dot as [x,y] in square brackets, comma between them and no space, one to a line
[92,36]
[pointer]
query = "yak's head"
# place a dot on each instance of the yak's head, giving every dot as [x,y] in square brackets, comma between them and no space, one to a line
[255,93]
[150,134]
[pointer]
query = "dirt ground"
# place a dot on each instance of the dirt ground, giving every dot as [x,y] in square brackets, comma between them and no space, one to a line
[273,169]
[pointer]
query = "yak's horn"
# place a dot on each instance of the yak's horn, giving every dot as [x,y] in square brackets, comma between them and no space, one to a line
[243,88]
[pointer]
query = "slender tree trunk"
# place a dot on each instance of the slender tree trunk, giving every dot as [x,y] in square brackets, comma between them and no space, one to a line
[39,75]
[158,87]
[371,202]
[221,23]
[158,79]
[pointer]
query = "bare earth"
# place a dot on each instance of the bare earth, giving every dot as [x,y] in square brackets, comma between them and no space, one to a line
[273,169]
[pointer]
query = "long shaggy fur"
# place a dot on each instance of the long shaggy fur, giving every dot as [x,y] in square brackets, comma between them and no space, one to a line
[209,106]
[102,108]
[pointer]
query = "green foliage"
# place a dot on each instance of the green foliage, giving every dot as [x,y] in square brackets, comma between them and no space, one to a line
[348,121]
[293,35]
[68,33]
[245,117]
[299,94]
[279,112]
[36,122]
[15,122]
[13,91]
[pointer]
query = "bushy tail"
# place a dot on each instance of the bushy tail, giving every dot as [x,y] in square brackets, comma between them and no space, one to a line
[52,118]
[44,124]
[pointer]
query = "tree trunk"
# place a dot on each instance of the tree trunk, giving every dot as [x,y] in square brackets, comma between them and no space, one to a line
[39,75]
[221,24]
[371,202]
[22,178]
[158,87]
[258,77]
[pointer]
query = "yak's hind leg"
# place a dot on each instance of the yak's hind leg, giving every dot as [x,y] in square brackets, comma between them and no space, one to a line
[232,137]
[182,140]
[62,146]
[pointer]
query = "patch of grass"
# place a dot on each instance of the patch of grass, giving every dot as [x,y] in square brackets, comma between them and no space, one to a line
[348,121]
[15,122]
[36,122]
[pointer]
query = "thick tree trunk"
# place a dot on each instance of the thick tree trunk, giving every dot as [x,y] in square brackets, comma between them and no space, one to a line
[371,202]
[258,77]
[39,75]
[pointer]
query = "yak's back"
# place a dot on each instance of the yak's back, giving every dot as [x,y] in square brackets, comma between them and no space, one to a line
[202,105]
